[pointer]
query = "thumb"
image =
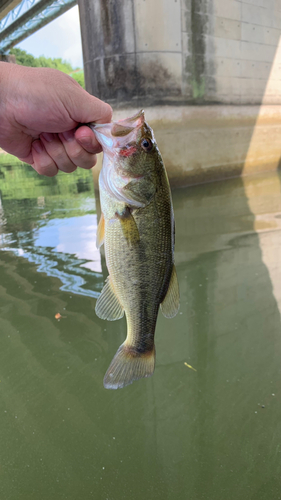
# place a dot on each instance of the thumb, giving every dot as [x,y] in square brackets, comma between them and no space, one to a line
[85,108]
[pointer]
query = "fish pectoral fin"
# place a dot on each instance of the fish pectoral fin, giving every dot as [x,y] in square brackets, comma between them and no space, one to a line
[127,366]
[129,227]
[141,190]
[100,232]
[171,303]
[108,305]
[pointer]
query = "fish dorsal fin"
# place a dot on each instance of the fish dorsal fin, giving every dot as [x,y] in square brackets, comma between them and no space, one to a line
[129,227]
[100,232]
[108,305]
[171,303]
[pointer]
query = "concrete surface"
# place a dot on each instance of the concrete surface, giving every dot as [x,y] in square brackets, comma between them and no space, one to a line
[206,143]
[167,55]
[148,52]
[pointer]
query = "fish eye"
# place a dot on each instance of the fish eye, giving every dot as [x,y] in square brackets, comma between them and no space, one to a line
[146,144]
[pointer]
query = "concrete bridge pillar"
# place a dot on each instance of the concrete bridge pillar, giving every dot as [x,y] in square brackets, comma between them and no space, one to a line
[133,50]
[142,53]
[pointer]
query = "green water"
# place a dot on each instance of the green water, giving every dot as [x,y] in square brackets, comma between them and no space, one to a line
[213,433]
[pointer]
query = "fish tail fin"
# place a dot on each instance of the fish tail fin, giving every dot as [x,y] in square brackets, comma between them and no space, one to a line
[127,366]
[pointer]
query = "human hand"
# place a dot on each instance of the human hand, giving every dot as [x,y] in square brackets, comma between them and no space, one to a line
[40,109]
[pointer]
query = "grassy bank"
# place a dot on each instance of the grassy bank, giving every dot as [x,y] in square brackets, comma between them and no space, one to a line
[20,181]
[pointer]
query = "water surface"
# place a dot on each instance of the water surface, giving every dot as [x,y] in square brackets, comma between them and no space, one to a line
[212,432]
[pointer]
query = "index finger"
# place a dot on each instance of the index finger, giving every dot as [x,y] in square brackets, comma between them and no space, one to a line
[87,139]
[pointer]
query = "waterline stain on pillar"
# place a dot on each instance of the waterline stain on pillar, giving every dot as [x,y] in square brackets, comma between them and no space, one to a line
[195,27]
[198,28]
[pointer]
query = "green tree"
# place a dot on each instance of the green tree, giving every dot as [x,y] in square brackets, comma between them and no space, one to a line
[79,77]
[25,59]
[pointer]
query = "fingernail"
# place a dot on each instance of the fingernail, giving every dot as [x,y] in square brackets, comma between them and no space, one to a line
[48,137]
[37,146]
[69,135]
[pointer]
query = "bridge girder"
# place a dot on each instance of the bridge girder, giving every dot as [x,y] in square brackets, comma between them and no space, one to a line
[19,27]
[6,6]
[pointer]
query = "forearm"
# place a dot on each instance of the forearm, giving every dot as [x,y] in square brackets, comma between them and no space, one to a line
[5,70]
[5,75]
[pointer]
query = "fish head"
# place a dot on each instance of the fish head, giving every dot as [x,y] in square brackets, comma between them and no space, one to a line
[131,160]
[129,144]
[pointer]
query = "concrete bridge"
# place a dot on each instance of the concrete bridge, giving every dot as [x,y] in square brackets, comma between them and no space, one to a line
[208,73]
[182,51]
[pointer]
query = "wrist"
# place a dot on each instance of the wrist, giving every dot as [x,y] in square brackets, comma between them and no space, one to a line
[8,83]
[6,78]
[6,71]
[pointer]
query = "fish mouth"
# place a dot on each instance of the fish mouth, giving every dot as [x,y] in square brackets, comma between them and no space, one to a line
[136,120]
[115,136]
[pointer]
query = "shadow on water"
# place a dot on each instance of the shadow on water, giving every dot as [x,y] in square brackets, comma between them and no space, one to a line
[183,433]
[236,335]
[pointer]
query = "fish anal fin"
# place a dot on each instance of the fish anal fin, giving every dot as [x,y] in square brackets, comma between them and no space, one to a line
[171,302]
[128,366]
[100,232]
[129,227]
[108,305]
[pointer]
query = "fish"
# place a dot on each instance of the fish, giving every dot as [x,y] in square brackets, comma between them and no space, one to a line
[137,229]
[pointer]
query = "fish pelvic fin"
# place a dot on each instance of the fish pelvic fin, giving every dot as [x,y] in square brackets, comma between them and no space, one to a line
[128,366]
[108,305]
[129,227]
[171,302]
[100,232]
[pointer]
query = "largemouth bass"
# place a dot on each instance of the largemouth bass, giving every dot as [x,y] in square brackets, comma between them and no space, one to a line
[137,229]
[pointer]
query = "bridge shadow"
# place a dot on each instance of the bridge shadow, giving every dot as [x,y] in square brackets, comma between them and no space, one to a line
[229,267]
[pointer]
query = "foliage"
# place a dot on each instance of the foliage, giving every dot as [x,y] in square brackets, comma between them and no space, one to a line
[8,160]
[25,59]
[79,77]
[20,181]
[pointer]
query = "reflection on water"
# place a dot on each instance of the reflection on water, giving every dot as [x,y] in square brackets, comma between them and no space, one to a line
[213,433]
[56,232]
